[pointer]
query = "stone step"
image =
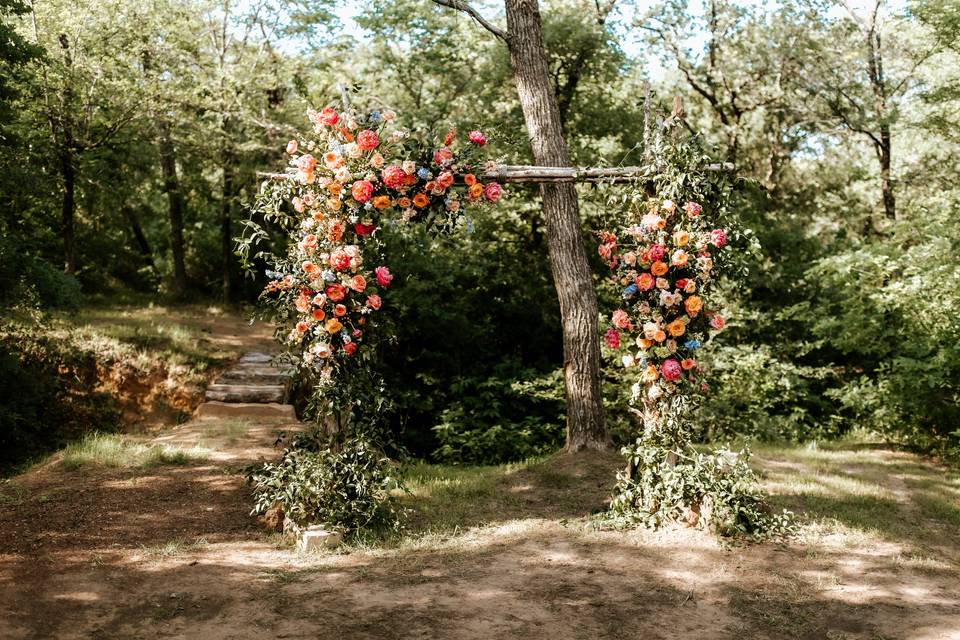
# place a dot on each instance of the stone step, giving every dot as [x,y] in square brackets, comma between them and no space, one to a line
[246,392]
[254,375]
[256,357]
[255,411]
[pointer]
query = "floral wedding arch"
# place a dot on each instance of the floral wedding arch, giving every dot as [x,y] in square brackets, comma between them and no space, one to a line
[360,172]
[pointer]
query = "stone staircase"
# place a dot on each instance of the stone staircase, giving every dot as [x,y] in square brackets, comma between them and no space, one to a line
[253,388]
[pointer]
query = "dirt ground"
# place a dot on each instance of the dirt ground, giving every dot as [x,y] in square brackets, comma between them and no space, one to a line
[172,552]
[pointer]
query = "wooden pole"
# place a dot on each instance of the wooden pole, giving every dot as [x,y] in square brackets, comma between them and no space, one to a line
[535,174]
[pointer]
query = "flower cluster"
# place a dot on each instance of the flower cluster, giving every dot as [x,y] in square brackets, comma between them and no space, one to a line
[663,266]
[350,177]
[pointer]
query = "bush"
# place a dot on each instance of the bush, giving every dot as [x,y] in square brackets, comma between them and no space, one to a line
[348,488]
[499,419]
[26,280]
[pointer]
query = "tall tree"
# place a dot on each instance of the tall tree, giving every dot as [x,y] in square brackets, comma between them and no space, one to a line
[568,260]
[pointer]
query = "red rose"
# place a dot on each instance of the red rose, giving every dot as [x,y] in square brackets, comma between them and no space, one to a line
[364,229]
[350,348]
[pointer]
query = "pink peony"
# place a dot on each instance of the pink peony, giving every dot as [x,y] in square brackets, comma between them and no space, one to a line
[362,191]
[329,116]
[384,277]
[656,252]
[339,260]
[291,147]
[693,209]
[374,302]
[612,338]
[368,140]
[718,237]
[621,320]
[477,138]
[394,176]
[671,370]
[493,192]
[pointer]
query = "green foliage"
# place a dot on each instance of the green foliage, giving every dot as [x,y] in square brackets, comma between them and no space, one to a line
[502,419]
[347,486]
[716,491]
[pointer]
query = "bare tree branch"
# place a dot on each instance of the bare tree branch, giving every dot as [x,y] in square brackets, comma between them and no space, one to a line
[463,7]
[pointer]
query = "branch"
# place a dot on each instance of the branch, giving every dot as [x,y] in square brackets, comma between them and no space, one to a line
[459,5]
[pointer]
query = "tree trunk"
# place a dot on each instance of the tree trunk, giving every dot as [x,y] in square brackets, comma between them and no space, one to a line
[69,176]
[886,184]
[138,234]
[568,259]
[226,237]
[171,185]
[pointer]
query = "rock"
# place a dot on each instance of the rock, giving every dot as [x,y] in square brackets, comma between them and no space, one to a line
[252,393]
[317,537]
[274,518]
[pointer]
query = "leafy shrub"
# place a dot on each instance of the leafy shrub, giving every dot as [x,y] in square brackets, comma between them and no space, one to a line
[348,487]
[718,491]
[498,420]
[35,282]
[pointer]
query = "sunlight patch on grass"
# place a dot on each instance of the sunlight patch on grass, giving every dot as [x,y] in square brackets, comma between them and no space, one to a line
[173,548]
[117,451]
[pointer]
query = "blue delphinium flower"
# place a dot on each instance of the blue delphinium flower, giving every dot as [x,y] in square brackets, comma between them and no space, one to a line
[692,344]
[423,173]
[630,291]
[375,116]
[329,276]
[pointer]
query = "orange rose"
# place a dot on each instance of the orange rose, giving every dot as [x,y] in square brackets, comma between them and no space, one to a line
[651,374]
[381,202]
[340,311]
[475,191]
[676,328]
[660,336]
[404,203]
[659,268]
[335,188]
[688,364]
[644,343]
[693,305]
[335,232]
[421,200]
[469,179]
[333,326]
[318,314]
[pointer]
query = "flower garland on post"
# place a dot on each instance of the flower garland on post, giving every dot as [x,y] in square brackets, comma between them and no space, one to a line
[358,173]
[664,264]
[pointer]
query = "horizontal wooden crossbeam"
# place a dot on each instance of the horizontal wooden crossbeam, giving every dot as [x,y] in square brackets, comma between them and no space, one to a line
[535,174]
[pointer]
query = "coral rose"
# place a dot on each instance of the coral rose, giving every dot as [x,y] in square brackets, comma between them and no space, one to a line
[374,301]
[717,322]
[362,191]
[358,283]
[368,139]
[329,116]
[645,281]
[336,292]
[621,319]
[350,348]
[659,268]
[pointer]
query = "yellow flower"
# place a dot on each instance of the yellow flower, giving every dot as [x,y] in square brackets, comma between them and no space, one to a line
[693,305]
[333,326]
[681,237]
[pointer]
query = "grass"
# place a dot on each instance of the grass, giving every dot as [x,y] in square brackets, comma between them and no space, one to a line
[173,548]
[118,451]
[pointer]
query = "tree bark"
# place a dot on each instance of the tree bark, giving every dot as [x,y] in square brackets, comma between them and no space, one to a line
[69,176]
[226,237]
[568,260]
[171,185]
[138,234]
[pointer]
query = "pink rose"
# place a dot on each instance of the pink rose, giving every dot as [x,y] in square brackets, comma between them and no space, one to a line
[291,147]
[645,281]
[656,252]
[329,116]
[718,238]
[442,156]
[362,191]
[445,179]
[612,338]
[336,292]
[309,243]
[384,277]
[374,302]
[477,138]
[621,320]
[693,209]
[368,140]
[394,177]
[307,163]
[671,370]
[493,192]
[358,283]
[717,322]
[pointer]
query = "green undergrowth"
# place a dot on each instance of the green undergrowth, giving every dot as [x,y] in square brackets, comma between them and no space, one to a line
[118,451]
